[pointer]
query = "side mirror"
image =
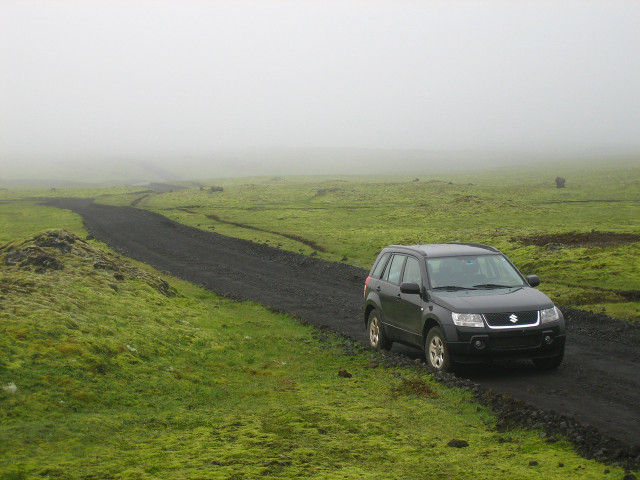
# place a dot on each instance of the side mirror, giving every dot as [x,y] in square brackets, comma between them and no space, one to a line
[410,288]
[533,280]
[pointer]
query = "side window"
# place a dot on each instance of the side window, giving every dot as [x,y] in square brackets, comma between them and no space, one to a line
[393,270]
[379,266]
[412,271]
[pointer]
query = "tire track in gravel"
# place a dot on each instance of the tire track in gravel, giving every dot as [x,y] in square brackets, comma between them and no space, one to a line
[598,384]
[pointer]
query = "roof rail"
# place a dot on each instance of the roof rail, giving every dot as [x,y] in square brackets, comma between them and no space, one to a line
[478,245]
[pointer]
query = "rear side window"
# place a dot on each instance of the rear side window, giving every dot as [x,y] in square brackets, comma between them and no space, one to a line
[380,265]
[393,270]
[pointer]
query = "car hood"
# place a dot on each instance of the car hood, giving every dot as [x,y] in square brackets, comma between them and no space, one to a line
[492,301]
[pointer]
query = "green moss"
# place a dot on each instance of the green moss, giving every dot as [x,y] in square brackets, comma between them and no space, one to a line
[20,218]
[132,383]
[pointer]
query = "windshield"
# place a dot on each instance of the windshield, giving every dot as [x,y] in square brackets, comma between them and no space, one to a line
[472,272]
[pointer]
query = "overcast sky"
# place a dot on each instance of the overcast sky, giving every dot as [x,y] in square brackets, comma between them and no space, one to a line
[145,78]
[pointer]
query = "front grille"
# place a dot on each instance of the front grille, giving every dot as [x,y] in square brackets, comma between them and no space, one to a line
[508,343]
[512,319]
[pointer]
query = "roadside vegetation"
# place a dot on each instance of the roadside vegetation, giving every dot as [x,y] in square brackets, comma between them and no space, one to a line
[582,240]
[108,370]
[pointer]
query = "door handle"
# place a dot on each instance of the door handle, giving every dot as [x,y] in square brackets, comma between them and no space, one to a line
[398,297]
[378,289]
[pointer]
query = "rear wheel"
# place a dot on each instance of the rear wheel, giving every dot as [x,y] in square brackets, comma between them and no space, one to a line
[436,351]
[377,338]
[549,363]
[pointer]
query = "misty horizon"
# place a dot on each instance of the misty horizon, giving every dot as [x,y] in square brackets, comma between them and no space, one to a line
[294,162]
[172,83]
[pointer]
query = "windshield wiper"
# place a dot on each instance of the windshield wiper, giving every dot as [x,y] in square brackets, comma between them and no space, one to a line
[495,285]
[453,287]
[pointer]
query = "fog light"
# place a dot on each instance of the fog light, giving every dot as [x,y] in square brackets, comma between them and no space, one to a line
[548,339]
[479,344]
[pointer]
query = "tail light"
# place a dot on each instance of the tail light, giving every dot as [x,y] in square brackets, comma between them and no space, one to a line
[366,284]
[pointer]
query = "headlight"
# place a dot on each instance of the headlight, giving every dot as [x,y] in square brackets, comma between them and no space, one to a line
[467,320]
[549,315]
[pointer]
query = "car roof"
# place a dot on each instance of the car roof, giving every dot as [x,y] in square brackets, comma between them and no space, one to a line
[445,249]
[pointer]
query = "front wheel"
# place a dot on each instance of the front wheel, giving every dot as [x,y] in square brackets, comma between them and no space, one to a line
[377,338]
[436,351]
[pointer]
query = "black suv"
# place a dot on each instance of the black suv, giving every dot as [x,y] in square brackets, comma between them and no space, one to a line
[460,303]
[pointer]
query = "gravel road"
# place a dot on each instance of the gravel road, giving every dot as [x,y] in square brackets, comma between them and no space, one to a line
[598,384]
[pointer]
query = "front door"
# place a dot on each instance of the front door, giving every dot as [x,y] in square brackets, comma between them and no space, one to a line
[408,311]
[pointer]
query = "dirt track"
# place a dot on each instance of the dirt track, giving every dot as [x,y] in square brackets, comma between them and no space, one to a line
[598,384]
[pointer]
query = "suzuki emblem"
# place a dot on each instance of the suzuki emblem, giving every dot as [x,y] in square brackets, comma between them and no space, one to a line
[513,318]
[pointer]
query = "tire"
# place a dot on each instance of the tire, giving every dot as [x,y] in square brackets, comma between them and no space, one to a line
[549,363]
[377,338]
[436,351]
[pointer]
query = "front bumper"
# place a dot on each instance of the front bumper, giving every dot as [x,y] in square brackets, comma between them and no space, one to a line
[539,342]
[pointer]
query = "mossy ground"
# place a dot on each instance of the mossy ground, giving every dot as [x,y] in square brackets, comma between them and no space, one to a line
[109,377]
[20,218]
[105,374]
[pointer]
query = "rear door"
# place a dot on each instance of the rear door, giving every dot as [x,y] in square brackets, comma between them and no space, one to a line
[389,291]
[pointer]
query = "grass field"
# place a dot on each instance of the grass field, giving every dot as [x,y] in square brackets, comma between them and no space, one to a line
[585,257]
[107,373]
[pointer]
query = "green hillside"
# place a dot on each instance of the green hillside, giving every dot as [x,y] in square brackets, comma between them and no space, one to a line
[108,371]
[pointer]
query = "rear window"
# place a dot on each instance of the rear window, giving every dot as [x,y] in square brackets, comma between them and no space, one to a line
[380,265]
[392,272]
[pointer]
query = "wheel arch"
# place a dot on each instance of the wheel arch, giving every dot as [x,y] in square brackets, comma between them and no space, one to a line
[429,323]
[367,311]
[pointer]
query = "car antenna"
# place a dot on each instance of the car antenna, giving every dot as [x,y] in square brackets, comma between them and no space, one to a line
[419,242]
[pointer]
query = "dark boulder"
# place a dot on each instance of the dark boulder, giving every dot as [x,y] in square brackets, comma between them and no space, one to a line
[455,443]
[15,257]
[43,262]
[59,239]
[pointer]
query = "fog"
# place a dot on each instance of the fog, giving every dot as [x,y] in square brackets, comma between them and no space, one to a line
[235,87]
